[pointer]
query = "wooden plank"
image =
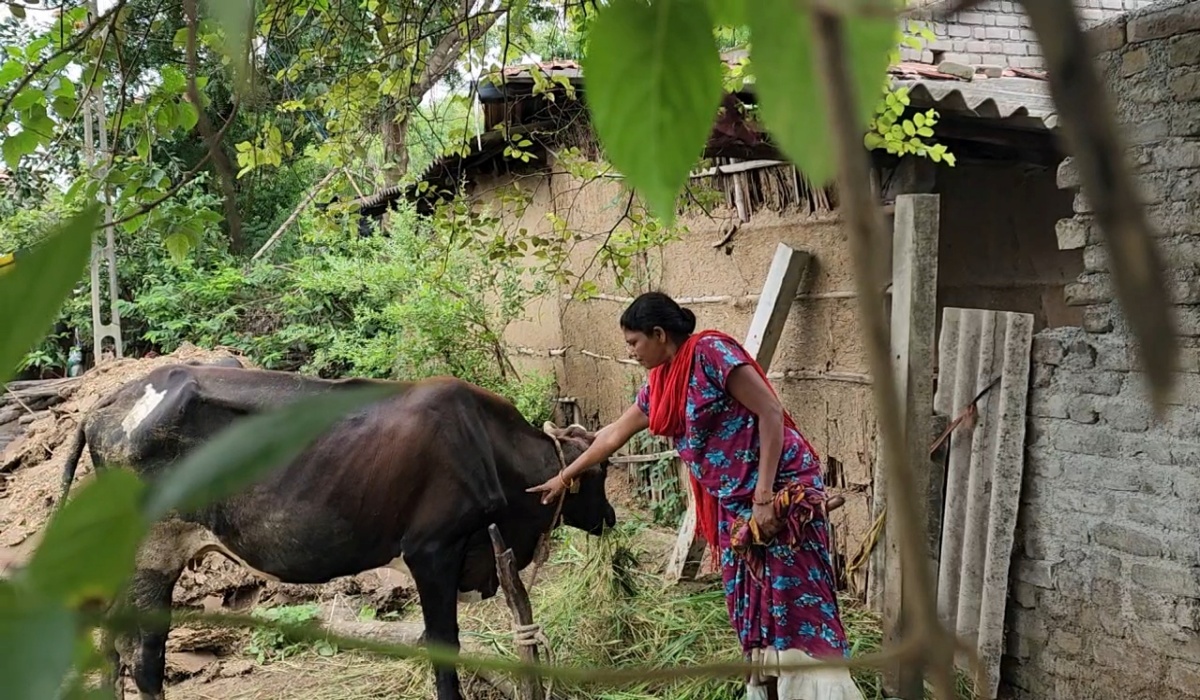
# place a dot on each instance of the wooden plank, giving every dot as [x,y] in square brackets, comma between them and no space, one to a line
[766,328]
[914,319]
[783,281]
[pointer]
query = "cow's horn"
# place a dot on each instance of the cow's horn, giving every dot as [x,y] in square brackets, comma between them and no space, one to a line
[550,429]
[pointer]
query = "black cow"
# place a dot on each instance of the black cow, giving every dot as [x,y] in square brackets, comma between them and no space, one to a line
[412,481]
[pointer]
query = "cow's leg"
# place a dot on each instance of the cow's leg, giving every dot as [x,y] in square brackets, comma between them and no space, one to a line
[436,567]
[160,561]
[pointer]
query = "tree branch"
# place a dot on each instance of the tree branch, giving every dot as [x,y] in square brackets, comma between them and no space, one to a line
[224,168]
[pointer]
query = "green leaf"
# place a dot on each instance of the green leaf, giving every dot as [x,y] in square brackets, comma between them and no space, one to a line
[32,292]
[790,95]
[189,116]
[27,98]
[89,545]
[235,18]
[38,642]
[241,454]
[178,245]
[10,71]
[143,146]
[17,146]
[654,85]
[17,10]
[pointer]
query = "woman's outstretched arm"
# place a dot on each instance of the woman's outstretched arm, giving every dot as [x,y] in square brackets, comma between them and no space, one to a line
[608,440]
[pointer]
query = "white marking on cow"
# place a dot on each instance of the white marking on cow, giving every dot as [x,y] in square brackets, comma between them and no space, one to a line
[142,408]
[398,564]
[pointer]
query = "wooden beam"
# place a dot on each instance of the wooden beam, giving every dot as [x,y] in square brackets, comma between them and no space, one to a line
[914,319]
[766,328]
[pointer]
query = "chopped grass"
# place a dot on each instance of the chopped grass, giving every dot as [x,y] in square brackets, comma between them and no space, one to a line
[607,607]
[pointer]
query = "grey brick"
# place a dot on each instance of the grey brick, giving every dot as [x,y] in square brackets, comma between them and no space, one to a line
[1095,258]
[1091,288]
[1166,578]
[1116,354]
[1184,50]
[1098,319]
[1048,350]
[1168,22]
[1047,405]
[1135,61]
[1127,416]
[1109,36]
[1185,87]
[1068,174]
[1015,48]
[1099,383]
[1082,409]
[1151,607]
[1036,573]
[1072,233]
[1086,440]
[1126,539]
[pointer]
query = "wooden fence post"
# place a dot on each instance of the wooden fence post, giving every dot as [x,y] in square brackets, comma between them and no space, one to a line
[522,611]
[914,319]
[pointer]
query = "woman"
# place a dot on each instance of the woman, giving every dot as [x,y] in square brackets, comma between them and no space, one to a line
[759,494]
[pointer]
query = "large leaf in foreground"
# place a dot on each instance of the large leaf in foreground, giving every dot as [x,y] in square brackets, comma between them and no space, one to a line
[89,546]
[38,644]
[653,86]
[33,289]
[787,82]
[241,454]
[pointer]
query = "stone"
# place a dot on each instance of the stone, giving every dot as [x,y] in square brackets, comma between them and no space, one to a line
[1098,319]
[1067,176]
[1128,540]
[1099,383]
[1108,36]
[1185,678]
[1048,350]
[1127,416]
[1164,23]
[1082,205]
[1086,440]
[1095,258]
[1177,155]
[958,70]
[1072,233]
[1082,409]
[1167,578]
[1036,573]
[990,70]
[1184,50]
[1047,405]
[1080,355]
[1185,87]
[1091,288]
[1135,61]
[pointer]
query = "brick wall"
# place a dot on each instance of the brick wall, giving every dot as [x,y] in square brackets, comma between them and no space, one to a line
[1105,596]
[997,32]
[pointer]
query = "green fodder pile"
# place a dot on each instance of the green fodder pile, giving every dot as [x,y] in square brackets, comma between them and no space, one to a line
[607,606]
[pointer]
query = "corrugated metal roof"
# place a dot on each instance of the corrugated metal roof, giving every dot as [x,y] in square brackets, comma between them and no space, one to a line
[1016,94]
[989,98]
[983,479]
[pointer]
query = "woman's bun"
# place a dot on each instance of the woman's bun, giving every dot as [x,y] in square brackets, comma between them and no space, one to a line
[689,320]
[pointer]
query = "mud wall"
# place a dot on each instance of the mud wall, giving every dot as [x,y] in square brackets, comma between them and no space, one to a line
[819,369]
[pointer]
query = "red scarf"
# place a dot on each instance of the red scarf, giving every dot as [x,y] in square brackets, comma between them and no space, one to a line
[668,407]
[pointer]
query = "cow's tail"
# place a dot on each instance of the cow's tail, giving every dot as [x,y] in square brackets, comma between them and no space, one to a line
[78,442]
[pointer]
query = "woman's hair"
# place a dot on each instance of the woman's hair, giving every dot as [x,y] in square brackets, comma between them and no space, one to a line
[657,310]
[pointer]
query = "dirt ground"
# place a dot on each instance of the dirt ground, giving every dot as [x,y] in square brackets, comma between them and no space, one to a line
[207,664]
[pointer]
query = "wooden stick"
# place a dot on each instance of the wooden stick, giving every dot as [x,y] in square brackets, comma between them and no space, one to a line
[518,603]
[864,228]
[295,212]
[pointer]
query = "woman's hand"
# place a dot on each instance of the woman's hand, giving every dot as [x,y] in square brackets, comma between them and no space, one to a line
[763,513]
[551,490]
